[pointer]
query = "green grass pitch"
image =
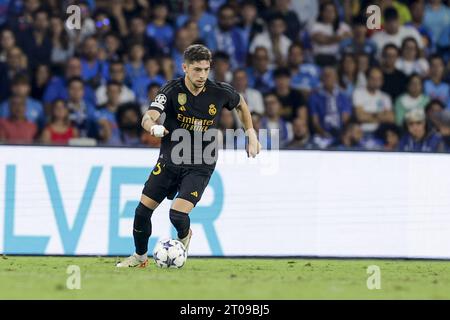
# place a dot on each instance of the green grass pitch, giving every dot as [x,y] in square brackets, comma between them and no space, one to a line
[201,278]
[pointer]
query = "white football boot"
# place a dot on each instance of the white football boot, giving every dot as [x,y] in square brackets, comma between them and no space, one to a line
[132,261]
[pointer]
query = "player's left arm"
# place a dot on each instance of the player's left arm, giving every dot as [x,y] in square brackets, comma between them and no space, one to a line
[254,147]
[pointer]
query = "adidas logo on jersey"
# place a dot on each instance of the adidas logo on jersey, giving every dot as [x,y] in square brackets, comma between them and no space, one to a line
[182,108]
[195,194]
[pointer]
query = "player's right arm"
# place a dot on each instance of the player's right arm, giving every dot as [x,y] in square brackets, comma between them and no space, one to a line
[158,106]
[149,123]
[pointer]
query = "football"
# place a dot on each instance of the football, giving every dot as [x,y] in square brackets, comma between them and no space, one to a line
[169,253]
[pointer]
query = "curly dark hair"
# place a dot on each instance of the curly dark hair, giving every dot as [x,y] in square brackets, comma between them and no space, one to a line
[197,52]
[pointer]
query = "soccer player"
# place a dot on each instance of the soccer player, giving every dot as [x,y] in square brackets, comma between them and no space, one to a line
[192,105]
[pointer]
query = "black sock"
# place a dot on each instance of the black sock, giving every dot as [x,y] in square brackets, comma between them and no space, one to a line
[181,222]
[142,228]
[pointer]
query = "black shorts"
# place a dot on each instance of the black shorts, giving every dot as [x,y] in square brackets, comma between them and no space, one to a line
[166,180]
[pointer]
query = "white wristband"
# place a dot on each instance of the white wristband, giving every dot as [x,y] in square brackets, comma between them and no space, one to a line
[157,130]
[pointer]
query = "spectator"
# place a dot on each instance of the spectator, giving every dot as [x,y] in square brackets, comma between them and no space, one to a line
[21,88]
[58,86]
[389,135]
[250,24]
[22,20]
[432,111]
[363,64]
[197,12]
[274,40]
[36,42]
[93,70]
[260,75]
[293,104]
[16,63]
[372,106]
[193,32]
[302,138]
[112,49]
[412,99]
[443,125]
[133,8]
[394,80]
[59,130]
[305,76]
[443,44]
[109,133]
[327,33]
[417,15]
[7,42]
[330,108]
[221,68]
[359,42]
[137,34]
[282,7]
[81,112]
[182,41]
[419,136]
[403,11]
[434,87]
[253,97]
[348,73]
[62,48]
[351,138]
[134,68]
[437,17]
[159,27]
[307,12]
[117,74]
[394,32]
[225,37]
[128,118]
[16,128]
[40,81]
[151,75]
[279,129]
[410,62]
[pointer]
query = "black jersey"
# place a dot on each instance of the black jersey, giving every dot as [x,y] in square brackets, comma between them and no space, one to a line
[192,121]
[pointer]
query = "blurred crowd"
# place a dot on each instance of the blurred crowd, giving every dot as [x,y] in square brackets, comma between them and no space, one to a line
[311,69]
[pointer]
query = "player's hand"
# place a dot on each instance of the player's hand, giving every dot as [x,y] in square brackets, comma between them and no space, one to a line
[158,131]
[254,147]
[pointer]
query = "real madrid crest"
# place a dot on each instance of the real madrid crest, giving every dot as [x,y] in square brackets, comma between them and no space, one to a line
[212,109]
[182,98]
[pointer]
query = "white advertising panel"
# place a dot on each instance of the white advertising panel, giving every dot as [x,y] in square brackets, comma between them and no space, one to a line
[61,200]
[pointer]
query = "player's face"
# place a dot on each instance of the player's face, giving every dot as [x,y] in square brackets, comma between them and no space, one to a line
[197,72]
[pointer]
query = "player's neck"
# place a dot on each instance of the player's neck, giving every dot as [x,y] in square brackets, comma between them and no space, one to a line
[193,89]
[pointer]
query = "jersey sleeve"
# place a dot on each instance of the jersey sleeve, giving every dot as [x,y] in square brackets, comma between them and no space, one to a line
[161,100]
[232,96]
